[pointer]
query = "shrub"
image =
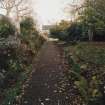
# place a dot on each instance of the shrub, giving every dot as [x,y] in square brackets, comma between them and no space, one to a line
[16,58]
[6,27]
[74,32]
[30,36]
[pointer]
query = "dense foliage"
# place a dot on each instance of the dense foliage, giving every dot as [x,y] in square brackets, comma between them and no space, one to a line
[88,25]
[30,35]
[87,71]
[6,27]
[17,53]
[59,30]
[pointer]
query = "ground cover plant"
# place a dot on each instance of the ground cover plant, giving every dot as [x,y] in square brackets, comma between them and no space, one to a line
[87,62]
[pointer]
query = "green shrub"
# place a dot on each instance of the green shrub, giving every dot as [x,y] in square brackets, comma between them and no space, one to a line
[30,35]
[16,58]
[7,50]
[95,55]
[6,27]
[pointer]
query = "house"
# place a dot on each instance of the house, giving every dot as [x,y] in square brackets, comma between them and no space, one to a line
[46,28]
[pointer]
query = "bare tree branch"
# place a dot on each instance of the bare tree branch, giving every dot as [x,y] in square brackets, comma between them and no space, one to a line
[20,8]
[8,5]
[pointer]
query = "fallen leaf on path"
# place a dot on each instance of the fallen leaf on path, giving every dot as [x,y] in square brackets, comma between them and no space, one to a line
[25,102]
[47,99]
[42,103]
[55,91]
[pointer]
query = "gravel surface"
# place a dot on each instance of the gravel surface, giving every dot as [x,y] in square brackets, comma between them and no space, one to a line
[44,86]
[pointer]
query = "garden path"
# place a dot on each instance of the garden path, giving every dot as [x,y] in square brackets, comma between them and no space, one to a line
[46,77]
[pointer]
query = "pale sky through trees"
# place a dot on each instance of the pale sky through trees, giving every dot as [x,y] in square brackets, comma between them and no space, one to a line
[49,11]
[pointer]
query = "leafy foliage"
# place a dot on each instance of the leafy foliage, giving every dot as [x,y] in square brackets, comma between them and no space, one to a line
[6,27]
[87,64]
[16,56]
[29,35]
[59,30]
[88,25]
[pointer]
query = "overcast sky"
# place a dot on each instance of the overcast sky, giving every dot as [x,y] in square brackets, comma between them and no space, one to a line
[49,11]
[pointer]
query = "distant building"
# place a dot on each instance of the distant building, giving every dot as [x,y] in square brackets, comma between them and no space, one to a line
[47,27]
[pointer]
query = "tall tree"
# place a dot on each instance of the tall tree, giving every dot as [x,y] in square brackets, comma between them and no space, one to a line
[92,14]
[22,10]
[8,5]
[19,7]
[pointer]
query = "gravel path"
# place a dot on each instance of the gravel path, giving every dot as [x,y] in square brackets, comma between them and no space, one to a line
[44,86]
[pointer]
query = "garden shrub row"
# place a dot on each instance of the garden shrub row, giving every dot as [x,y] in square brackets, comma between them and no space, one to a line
[17,52]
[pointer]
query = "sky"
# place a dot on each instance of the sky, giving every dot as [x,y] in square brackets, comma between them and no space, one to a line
[50,11]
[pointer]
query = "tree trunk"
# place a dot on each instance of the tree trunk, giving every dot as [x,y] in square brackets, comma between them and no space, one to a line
[8,12]
[17,20]
[90,34]
[18,26]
